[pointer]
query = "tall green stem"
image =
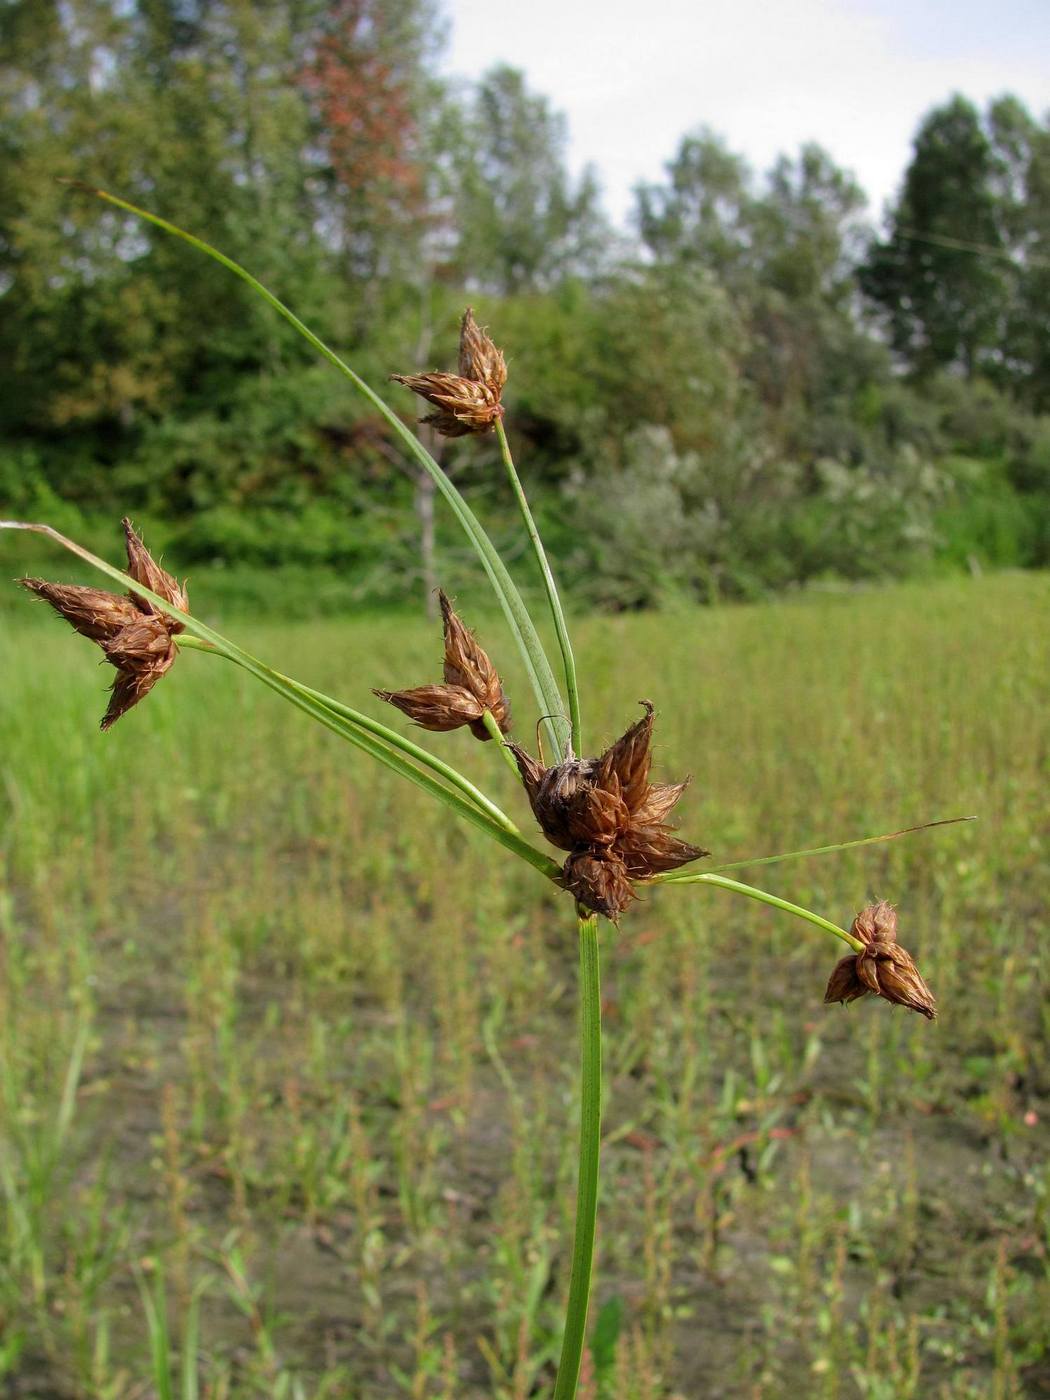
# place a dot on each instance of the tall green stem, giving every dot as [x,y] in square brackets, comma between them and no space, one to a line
[568,660]
[590,1147]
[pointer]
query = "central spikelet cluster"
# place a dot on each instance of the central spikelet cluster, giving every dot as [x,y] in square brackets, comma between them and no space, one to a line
[609,817]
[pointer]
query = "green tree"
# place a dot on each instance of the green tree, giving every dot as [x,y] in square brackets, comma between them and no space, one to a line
[701,214]
[520,221]
[943,304]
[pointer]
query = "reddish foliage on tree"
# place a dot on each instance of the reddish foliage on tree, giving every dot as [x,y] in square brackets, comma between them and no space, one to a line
[363,90]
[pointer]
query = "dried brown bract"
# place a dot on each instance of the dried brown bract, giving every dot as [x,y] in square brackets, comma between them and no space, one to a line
[882,968]
[471,686]
[611,819]
[467,402]
[135,636]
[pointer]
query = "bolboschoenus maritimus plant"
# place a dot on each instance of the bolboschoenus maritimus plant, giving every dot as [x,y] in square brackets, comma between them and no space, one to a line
[602,812]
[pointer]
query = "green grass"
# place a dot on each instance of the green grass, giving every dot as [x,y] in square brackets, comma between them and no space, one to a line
[288,1058]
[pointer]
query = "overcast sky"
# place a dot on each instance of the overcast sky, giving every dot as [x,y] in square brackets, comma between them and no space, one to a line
[633,76]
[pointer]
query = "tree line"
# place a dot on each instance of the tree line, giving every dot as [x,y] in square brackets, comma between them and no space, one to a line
[755,386]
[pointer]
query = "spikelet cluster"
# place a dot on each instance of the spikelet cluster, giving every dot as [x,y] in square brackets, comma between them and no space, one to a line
[136,637]
[467,402]
[883,968]
[609,817]
[471,686]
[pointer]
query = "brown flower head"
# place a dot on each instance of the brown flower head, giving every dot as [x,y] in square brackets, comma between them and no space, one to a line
[467,402]
[135,636]
[882,968]
[471,686]
[611,819]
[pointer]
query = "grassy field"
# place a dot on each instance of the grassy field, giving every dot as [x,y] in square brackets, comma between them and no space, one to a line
[288,1058]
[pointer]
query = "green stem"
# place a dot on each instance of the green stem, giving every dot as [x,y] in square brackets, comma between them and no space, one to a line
[303,698]
[720,880]
[388,736]
[590,1148]
[488,719]
[568,660]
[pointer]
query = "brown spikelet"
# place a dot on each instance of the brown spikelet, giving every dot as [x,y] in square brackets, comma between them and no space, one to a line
[658,802]
[145,570]
[876,923]
[650,850]
[468,665]
[628,761]
[531,771]
[144,643]
[558,797]
[479,358]
[599,881]
[467,402]
[889,971]
[844,985]
[92,612]
[882,968]
[462,405]
[436,707]
[597,817]
[142,653]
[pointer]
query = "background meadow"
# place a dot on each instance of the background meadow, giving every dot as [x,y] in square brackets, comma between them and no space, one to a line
[287,1057]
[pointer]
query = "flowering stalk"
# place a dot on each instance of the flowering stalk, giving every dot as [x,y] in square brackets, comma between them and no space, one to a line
[558,616]
[603,811]
[590,1151]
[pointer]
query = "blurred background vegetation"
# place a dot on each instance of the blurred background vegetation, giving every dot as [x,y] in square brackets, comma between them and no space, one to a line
[769,389]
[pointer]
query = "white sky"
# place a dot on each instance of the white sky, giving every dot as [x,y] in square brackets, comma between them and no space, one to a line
[633,76]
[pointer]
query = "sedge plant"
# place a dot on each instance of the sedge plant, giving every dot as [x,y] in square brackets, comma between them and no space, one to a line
[602,812]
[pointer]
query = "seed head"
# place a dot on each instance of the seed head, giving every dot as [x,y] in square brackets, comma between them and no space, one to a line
[467,402]
[135,637]
[471,686]
[882,968]
[607,814]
